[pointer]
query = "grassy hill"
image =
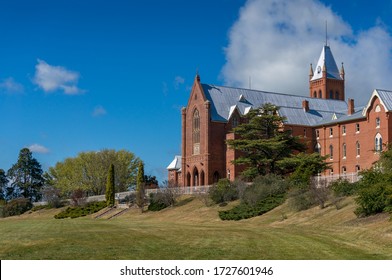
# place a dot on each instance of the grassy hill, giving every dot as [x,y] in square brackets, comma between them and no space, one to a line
[194,231]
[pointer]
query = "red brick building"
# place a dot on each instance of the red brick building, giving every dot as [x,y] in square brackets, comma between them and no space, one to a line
[351,137]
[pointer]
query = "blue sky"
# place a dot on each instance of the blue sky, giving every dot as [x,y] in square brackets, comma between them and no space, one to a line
[87,75]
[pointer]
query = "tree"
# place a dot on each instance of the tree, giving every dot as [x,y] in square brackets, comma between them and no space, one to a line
[110,187]
[140,187]
[3,184]
[88,172]
[26,177]
[262,142]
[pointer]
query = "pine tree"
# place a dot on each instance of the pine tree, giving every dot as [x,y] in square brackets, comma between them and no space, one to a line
[25,177]
[263,143]
[140,186]
[110,192]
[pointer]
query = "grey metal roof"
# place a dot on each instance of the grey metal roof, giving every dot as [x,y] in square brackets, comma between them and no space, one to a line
[330,64]
[343,118]
[386,98]
[225,99]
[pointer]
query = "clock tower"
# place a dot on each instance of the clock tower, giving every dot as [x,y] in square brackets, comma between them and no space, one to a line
[326,81]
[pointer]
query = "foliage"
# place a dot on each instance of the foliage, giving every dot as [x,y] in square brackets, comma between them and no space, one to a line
[374,199]
[110,193]
[246,211]
[343,187]
[150,180]
[140,187]
[300,199]
[51,195]
[304,166]
[16,207]
[78,197]
[25,177]
[88,171]
[223,191]
[162,199]
[263,187]
[3,183]
[263,144]
[80,211]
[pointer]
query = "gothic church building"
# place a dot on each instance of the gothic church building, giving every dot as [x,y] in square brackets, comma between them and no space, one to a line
[352,138]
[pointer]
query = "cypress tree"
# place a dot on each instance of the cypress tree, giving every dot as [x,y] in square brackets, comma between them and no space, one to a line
[110,187]
[140,187]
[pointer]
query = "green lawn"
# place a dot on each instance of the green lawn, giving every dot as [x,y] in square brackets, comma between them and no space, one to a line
[193,231]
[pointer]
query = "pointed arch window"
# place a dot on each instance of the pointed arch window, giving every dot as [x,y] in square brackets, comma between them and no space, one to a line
[196,132]
[320,94]
[378,143]
[344,150]
[330,152]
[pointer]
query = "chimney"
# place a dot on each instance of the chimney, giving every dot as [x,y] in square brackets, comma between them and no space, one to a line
[305,105]
[350,106]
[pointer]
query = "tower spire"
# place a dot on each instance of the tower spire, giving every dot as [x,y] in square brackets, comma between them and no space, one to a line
[326,32]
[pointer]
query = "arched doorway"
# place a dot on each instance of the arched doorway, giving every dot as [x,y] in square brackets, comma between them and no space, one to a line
[195,177]
[188,179]
[202,183]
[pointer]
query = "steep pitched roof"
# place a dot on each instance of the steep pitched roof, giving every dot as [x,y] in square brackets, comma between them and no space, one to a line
[225,99]
[175,164]
[330,64]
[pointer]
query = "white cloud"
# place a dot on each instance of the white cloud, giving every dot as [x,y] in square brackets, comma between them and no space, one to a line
[274,41]
[52,78]
[178,80]
[99,111]
[36,148]
[9,85]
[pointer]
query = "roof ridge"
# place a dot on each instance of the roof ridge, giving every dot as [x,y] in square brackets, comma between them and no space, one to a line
[280,93]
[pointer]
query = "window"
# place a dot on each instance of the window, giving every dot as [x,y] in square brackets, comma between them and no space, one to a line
[344,150]
[331,171]
[357,127]
[314,94]
[331,94]
[344,130]
[317,148]
[330,132]
[358,149]
[344,170]
[196,132]
[378,109]
[378,143]
[337,95]
[330,152]
[234,122]
[377,122]
[304,132]
[317,133]
[357,168]
[320,94]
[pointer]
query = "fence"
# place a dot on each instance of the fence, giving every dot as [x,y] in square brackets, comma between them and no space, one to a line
[351,177]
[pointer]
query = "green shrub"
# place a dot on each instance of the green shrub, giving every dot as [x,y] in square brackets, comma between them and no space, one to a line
[80,211]
[16,207]
[246,211]
[223,191]
[301,199]
[374,199]
[263,187]
[162,199]
[342,187]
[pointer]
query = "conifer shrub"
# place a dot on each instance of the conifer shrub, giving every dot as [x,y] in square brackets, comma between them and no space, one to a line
[80,211]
